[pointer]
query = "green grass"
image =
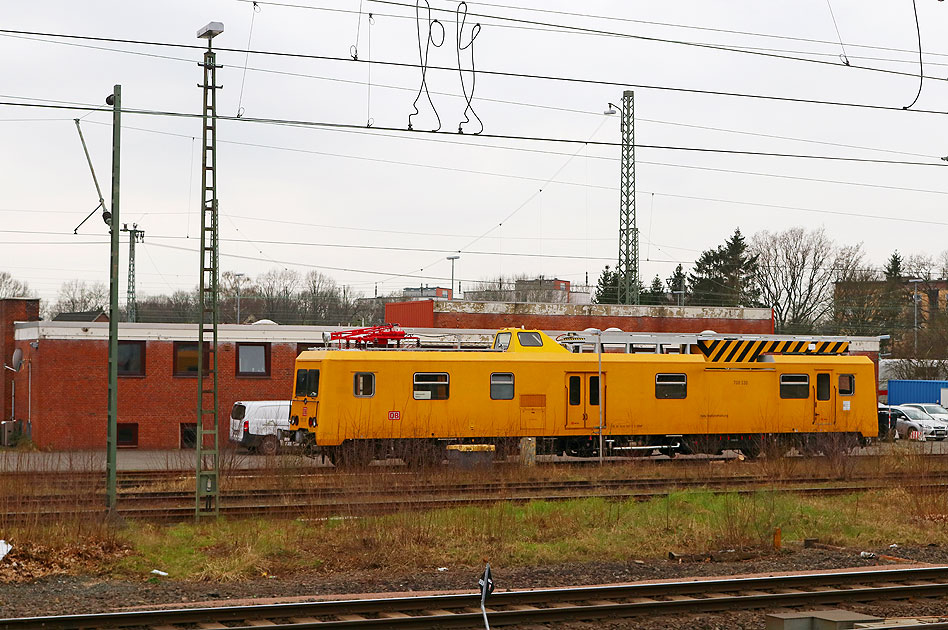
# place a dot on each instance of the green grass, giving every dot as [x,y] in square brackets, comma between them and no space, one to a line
[532,534]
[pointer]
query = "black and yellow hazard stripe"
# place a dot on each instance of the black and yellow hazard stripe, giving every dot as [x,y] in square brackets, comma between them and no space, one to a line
[748,350]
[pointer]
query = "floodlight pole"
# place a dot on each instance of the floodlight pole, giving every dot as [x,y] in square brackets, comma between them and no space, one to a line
[115,100]
[207,486]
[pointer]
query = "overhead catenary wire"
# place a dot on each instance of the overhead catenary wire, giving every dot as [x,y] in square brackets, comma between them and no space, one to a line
[512,22]
[500,73]
[525,138]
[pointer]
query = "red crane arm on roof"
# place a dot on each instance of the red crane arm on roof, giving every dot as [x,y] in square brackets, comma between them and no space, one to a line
[372,334]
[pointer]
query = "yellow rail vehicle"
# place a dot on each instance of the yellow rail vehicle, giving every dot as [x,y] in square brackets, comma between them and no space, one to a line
[356,405]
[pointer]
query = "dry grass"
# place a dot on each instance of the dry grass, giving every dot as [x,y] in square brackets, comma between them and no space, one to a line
[580,530]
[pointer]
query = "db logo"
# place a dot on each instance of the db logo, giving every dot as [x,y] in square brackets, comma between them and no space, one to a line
[394,415]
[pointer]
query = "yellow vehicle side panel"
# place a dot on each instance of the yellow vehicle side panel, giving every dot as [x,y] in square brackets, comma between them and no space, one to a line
[721,398]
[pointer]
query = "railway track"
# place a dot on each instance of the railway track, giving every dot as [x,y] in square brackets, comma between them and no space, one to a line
[538,606]
[176,506]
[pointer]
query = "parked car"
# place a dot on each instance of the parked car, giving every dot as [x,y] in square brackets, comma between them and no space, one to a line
[935,411]
[918,420]
[256,424]
[888,418]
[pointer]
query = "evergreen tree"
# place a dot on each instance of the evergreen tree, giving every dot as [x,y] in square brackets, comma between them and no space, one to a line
[893,268]
[607,289]
[655,293]
[725,276]
[677,282]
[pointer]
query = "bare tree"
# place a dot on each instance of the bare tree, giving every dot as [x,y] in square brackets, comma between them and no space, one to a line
[79,295]
[320,298]
[277,289]
[796,271]
[10,287]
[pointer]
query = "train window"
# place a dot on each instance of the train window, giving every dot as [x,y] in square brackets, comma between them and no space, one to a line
[823,386]
[530,339]
[307,383]
[501,341]
[431,385]
[575,388]
[593,390]
[501,386]
[847,384]
[363,384]
[794,386]
[671,386]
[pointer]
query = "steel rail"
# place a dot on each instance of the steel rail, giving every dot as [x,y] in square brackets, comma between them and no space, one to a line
[317,506]
[546,605]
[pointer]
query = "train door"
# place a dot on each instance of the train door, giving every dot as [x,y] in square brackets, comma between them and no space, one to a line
[824,402]
[582,400]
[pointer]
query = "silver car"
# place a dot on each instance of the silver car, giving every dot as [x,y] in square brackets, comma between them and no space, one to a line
[935,411]
[917,420]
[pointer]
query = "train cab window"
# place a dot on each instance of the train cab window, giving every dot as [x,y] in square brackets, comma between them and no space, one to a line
[530,339]
[847,384]
[431,385]
[363,384]
[307,383]
[502,341]
[794,386]
[823,386]
[575,390]
[671,386]
[593,390]
[501,386]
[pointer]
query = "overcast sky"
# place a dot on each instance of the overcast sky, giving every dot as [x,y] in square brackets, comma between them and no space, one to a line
[335,200]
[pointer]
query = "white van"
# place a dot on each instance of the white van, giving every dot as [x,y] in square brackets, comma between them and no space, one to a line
[256,424]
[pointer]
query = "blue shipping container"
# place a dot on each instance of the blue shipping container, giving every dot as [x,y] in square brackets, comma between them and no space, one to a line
[902,392]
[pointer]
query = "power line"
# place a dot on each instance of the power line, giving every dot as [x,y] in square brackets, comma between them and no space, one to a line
[543,152]
[500,73]
[278,121]
[519,23]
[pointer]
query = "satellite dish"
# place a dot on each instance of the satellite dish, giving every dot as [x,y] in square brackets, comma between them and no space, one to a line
[17,361]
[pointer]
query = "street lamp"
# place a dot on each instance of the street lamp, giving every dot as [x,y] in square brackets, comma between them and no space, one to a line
[452,259]
[237,278]
[915,282]
[612,111]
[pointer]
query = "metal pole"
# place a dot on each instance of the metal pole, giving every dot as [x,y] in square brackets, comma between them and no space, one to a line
[115,100]
[599,352]
[452,259]
[915,305]
[628,267]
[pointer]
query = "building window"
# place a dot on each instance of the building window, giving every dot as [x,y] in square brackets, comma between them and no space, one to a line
[847,384]
[530,339]
[126,435]
[253,359]
[502,386]
[794,386]
[186,358]
[671,386]
[131,358]
[307,383]
[188,435]
[363,384]
[431,385]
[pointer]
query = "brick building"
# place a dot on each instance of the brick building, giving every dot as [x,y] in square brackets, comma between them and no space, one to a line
[559,316]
